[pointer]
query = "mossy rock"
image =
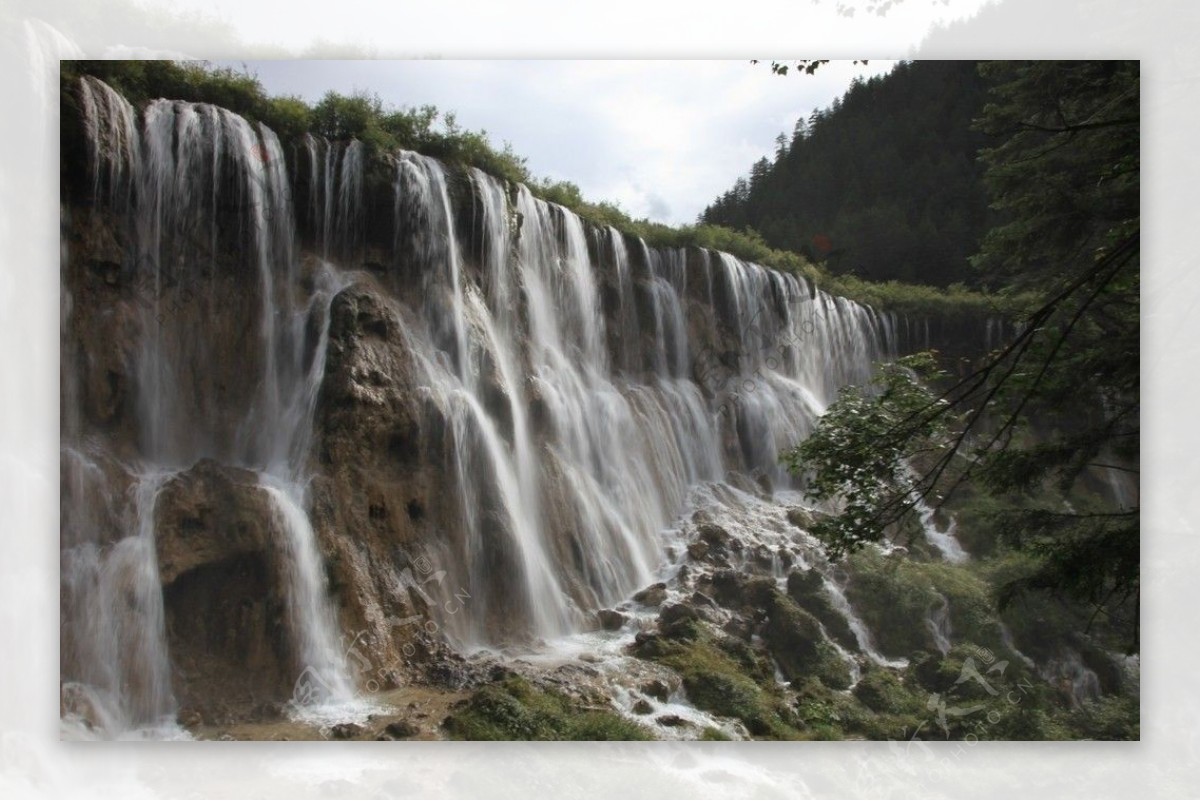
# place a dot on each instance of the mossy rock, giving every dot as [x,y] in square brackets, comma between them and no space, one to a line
[801,518]
[512,709]
[823,714]
[807,589]
[714,734]
[679,621]
[799,647]
[894,597]
[737,592]
[1108,718]
[882,691]
[726,677]
[962,671]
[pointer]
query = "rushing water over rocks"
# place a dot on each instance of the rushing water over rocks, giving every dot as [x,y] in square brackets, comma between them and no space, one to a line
[315,396]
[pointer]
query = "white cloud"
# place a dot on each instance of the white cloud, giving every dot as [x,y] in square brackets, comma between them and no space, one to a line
[662,138]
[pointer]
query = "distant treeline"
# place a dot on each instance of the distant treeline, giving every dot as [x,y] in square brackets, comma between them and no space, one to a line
[884,184]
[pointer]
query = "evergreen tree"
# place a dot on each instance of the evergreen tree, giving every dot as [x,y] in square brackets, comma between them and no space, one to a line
[900,145]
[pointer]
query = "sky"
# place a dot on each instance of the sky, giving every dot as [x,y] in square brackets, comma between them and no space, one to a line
[660,138]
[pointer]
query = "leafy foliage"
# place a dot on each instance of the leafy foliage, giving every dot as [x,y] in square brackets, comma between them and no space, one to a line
[808,66]
[361,115]
[862,449]
[199,82]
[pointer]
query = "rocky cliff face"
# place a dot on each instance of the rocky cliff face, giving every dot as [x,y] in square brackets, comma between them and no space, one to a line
[333,418]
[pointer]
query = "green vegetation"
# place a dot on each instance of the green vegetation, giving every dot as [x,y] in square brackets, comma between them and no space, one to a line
[726,676]
[979,688]
[715,735]
[1107,718]
[956,301]
[357,116]
[722,675]
[884,184]
[512,709]
[859,452]
[972,691]
[895,595]
[1009,449]
[798,645]
[1037,424]
[240,92]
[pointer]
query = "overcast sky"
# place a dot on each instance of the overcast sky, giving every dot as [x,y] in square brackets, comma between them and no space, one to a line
[661,138]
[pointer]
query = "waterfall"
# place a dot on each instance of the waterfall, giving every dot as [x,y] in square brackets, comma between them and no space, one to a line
[1007,639]
[189,147]
[307,605]
[943,540]
[496,484]
[112,139]
[334,213]
[114,640]
[937,621]
[247,400]
[1067,673]
[858,627]
[580,382]
[623,425]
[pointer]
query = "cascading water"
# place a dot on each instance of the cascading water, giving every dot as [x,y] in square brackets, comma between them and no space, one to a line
[585,383]
[574,404]
[116,670]
[937,621]
[1006,638]
[943,540]
[181,169]
[1071,676]
[866,643]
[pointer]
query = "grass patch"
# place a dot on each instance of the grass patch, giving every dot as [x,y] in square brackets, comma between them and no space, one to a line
[713,734]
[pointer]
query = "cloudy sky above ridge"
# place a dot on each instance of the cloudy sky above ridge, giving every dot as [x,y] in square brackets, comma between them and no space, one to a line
[660,138]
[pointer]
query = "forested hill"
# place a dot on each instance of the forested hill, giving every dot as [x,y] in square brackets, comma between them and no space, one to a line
[883,184]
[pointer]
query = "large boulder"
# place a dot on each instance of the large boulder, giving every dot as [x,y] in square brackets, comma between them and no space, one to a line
[219,548]
[610,619]
[208,514]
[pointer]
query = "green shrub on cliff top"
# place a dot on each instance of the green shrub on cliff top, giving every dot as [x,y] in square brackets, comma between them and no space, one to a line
[426,129]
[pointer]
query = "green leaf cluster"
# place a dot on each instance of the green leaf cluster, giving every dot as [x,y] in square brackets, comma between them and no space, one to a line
[859,454]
